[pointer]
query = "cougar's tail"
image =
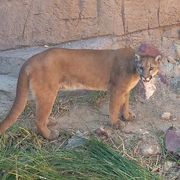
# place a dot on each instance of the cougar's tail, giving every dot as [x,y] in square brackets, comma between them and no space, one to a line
[19,103]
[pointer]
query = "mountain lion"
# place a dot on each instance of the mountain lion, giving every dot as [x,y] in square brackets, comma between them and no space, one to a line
[55,69]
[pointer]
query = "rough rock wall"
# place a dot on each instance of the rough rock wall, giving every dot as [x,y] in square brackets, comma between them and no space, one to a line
[39,22]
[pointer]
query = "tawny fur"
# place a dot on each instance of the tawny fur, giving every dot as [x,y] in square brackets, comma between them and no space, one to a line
[55,69]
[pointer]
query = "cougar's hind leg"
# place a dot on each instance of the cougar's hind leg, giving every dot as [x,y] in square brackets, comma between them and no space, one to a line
[116,103]
[44,103]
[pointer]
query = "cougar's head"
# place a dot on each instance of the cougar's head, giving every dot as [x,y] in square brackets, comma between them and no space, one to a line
[146,66]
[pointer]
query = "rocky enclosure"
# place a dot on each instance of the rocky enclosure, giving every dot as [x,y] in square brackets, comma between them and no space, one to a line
[39,22]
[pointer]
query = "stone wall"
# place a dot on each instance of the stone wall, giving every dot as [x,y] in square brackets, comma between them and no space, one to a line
[39,22]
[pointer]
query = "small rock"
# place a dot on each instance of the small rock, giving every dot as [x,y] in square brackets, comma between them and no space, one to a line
[149,147]
[171,60]
[171,170]
[101,132]
[8,85]
[166,116]
[144,131]
[77,140]
[46,46]
[168,164]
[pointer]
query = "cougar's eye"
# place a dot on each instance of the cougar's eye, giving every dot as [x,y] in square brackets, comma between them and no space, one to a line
[151,68]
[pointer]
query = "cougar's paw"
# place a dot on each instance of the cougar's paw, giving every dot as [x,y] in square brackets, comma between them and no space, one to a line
[116,125]
[53,135]
[131,117]
[52,122]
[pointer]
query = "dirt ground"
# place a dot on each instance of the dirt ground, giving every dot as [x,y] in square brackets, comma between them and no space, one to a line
[88,116]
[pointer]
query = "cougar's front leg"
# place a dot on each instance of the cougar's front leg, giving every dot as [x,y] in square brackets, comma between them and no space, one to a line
[126,113]
[116,103]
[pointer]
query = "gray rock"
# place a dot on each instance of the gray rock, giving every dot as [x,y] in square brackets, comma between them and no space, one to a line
[168,164]
[8,86]
[77,140]
[149,147]
[166,116]
[12,60]
[171,170]
[7,92]
[171,60]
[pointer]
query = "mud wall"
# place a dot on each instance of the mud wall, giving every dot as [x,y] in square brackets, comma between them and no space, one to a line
[39,22]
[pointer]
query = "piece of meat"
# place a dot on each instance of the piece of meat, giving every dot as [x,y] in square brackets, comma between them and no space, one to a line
[147,89]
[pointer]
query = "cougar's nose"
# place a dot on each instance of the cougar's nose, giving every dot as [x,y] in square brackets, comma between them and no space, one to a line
[147,79]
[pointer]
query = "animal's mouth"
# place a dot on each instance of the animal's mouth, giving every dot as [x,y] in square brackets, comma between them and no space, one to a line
[146,79]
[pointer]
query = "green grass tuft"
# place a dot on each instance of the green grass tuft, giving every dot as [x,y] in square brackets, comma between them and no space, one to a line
[23,155]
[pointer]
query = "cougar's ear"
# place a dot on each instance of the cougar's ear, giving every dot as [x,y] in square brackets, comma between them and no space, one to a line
[137,58]
[158,58]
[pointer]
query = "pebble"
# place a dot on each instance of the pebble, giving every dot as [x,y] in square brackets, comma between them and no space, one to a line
[166,116]
[171,60]
[168,164]
[149,147]
[101,132]
[77,140]
[171,170]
